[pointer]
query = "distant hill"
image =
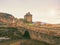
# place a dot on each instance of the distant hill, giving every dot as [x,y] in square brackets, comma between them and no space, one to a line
[6,15]
[5,18]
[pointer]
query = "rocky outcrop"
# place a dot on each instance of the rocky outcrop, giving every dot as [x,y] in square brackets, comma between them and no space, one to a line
[7,20]
[5,17]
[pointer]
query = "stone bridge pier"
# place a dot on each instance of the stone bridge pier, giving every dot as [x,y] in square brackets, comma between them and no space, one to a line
[39,36]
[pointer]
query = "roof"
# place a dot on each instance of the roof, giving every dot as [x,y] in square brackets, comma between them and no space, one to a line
[28,14]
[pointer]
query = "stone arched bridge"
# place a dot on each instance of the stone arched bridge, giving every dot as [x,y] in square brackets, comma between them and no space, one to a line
[48,35]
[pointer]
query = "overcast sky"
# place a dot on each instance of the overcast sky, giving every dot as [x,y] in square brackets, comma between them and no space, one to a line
[42,10]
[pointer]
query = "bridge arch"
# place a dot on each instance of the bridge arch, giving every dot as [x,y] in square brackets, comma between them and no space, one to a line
[26,35]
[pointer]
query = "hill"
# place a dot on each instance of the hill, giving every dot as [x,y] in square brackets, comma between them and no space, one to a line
[7,20]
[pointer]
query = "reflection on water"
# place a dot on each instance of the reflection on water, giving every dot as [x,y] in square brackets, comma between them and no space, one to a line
[4,38]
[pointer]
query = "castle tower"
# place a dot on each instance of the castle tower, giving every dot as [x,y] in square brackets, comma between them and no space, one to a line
[28,17]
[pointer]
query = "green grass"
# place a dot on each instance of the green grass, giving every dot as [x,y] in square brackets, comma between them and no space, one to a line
[29,24]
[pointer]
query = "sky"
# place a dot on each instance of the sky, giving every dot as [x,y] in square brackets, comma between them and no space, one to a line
[42,10]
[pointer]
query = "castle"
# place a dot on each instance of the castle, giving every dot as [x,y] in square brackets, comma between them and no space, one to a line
[28,17]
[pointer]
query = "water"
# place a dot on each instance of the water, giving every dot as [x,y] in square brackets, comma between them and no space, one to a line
[23,42]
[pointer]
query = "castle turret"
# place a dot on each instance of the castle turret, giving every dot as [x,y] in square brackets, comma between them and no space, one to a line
[28,17]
